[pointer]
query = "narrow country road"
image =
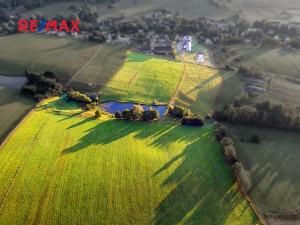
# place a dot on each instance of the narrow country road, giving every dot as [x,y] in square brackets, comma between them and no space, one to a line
[85,65]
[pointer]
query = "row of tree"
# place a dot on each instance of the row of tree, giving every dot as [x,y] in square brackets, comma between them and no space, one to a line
[230,154]
[250,71]
[262,114]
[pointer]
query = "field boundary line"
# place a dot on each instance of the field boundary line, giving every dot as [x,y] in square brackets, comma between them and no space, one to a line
[85,65]
[137,72]
[17,126]
[172,100]
[260,218]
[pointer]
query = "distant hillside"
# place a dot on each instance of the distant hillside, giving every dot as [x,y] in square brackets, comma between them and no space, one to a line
[251,10]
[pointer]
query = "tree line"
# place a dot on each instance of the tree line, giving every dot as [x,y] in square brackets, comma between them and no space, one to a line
[263,114]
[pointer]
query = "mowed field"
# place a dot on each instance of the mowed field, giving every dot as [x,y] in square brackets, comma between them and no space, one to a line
[59,168]
[144,78]
[199,88]
[13,107]
[39,53]
[274,167]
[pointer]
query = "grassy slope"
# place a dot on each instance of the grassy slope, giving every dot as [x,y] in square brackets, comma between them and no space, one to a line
[37,52]
[13,107]
[274,166]
[199,99]
[99,72]
[59,169]
[144,78]
[191,8]
[275,61]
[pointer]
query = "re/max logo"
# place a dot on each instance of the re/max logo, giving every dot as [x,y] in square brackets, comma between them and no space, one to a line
[34,26]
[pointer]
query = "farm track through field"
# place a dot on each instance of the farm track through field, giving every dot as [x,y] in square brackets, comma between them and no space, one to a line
[84,66]
[172,100]
[8,189]
[137,73]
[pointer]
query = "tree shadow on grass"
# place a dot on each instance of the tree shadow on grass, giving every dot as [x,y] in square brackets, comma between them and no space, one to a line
[104,133]
[204,193]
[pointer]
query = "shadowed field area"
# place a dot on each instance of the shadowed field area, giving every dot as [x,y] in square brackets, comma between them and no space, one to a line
[274,168]
[63,169]
[13,107]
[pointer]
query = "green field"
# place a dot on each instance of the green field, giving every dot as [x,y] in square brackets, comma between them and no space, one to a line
[58,168]
[39,53]
[144,78]
[13,107]
[276,61]
[200,88]
[274,168]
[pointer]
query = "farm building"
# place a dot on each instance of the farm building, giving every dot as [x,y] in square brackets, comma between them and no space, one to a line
[161,45]
[200,57]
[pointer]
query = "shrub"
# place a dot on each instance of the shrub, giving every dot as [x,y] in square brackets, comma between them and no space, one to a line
[138,110]
[178,111]
[226,141]
[230,154]
[29,89]
[89,106]
[150,114]
[220,133]
[242,175]
[118,115]
[78,97]
[128,115]
[97,114]
[188,121]
[255,139]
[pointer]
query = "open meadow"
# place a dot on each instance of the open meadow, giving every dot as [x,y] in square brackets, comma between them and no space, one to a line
[199,88]
[13,107]
[60,168]
[38,53]
[144,78]
[274,168]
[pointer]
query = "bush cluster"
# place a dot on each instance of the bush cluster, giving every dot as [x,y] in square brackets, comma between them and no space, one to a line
[41,86]
[251,72]
[79,97]
[137,113]
[192,121]
[178,111]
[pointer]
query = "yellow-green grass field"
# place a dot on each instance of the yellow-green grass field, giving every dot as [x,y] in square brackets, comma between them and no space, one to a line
[199,88]
[274,168]
[144,78]
[13,107]
[58,168]
[40,52]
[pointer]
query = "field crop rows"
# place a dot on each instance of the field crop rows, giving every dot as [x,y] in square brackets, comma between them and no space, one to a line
[63,169]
